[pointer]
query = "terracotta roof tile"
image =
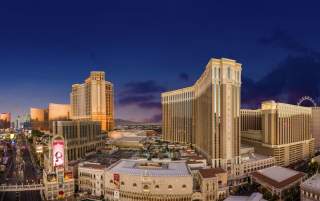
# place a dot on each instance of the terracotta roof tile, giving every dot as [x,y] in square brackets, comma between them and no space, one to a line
[275,183]
[211,172]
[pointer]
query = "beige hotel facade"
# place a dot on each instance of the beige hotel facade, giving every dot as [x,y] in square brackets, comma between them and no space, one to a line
[207,114]
[280,130]
[93,100]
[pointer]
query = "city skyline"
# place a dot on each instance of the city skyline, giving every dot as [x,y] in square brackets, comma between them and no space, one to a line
[146,49]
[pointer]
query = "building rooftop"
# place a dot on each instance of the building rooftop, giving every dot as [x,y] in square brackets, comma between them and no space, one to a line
[211,172]
[92,166]
[312,184]
[252,197]
[251,157]
[277,176]
[150,168]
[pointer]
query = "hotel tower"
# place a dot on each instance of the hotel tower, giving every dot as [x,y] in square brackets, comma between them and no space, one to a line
[93,100]
[280,130]
[207,114]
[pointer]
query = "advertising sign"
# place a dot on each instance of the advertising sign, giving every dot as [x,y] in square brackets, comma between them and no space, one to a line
[58,153]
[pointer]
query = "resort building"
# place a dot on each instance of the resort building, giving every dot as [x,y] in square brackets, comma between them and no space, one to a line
[93,100]
[315,126]
[207,114]
[39,119]
[285,131]
[82,137]
[5,120]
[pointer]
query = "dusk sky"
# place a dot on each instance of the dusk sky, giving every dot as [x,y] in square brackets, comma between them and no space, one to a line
[147,47]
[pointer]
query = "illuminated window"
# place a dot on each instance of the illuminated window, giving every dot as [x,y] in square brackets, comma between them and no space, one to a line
[170,187]
[145,187]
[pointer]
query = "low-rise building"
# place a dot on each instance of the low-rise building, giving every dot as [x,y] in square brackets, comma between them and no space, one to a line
[91,178]
[213,183]
[310,189]
[252,197]
[278,179]
[147,180]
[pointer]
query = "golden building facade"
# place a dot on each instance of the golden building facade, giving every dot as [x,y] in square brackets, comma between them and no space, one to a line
[250,119]
[94,100]
[178,111]
[285,132]
[5,119]
[58,112]
[39,119]
[315,126]
[213,102]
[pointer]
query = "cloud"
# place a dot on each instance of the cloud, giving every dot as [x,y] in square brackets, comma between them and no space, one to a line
[150,105]
[127,100]
[144,95]
[184,77]
[149,86]
[282,39]
[295,76]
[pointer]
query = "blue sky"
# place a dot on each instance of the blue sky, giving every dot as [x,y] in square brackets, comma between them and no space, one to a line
[146,47]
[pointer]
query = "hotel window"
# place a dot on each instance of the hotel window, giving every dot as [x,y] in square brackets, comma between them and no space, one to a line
[157,186]
[145,187]
[170,187]
[184,186]
[134,185]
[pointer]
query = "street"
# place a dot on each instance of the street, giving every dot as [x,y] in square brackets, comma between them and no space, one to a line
[20,171]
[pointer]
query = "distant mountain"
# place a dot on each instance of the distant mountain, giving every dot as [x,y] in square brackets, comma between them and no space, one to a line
[120,122]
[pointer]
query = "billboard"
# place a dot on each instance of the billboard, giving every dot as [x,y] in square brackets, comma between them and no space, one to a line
[58,153]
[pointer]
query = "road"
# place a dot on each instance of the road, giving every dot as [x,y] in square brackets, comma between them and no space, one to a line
[30,174]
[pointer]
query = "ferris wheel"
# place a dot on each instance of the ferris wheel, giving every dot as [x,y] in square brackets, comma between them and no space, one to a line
[307,98]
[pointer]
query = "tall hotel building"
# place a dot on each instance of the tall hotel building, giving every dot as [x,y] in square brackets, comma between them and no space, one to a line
[280,130]
[93,100]
[5,119]
[315,126]
[207,114]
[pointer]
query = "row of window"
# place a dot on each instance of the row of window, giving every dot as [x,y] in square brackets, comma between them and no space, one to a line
[147,187]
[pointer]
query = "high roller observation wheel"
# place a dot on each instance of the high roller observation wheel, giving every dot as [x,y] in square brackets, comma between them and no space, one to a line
[306,98]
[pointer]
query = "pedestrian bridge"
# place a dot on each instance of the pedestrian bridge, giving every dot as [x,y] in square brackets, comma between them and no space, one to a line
[22,187]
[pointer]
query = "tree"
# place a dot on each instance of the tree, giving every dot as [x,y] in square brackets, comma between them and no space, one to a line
[313,168]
